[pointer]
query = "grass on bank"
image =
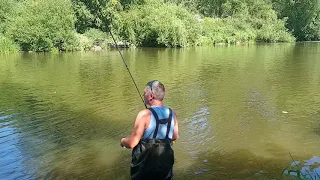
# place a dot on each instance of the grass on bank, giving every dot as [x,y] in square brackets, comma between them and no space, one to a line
[7,45]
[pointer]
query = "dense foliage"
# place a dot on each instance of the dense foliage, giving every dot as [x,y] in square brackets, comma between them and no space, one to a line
[157,24]
[303,17]
[7,8]
[7,45]
[44,25]
[208,8]
[247,20]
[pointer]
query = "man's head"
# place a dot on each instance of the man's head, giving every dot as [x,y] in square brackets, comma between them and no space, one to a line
[154,91]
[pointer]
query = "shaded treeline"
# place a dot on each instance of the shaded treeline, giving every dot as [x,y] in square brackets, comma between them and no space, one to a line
[46,25]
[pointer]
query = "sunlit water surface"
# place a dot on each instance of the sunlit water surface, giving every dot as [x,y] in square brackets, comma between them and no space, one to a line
[245,112]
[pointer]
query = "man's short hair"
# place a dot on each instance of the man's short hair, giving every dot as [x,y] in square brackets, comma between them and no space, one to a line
[157,89]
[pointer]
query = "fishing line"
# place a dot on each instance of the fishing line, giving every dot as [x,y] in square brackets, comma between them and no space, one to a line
[125,63]
[298,167]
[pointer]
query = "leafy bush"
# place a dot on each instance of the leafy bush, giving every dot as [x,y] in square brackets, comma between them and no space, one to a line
[7,45]
[41,25]
[227,30]
[97,36]
[7,9]
[157,23]
[245,21]
[303,17]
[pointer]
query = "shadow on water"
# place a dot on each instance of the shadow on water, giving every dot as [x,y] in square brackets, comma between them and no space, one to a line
[57,142]
[60,143]
[91,166]
[239,164]
[79,145]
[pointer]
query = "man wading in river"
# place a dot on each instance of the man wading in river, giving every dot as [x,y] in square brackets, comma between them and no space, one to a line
[154,130]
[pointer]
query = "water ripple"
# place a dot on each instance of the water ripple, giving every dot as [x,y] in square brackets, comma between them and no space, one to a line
[199,131]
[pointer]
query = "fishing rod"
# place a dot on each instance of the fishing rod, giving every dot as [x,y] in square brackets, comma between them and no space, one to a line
[125,63]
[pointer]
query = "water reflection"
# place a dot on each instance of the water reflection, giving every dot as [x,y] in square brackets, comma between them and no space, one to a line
[40,140]
[198,130]
[306,169]
[61,116]
[237,164]
[12,159]
[259,104]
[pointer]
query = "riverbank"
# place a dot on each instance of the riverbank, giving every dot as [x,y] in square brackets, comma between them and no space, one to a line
[86,45]
[80,25]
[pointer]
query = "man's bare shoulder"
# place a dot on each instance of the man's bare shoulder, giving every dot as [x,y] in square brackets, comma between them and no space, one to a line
[144,113]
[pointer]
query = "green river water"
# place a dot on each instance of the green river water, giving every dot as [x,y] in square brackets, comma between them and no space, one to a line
[242,111]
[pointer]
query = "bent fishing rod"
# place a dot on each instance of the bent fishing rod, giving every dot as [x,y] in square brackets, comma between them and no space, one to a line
[125,63]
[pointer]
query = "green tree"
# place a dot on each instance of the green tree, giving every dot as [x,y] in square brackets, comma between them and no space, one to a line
[42,25]
[95,14]
[99,13]
[7,45]
[84,19]
[243,21]
[209,8]
[126,4]
[156,23]
[7,9]
[303,17]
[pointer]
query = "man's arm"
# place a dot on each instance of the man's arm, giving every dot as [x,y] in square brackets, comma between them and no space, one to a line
[139,127]
[176,129]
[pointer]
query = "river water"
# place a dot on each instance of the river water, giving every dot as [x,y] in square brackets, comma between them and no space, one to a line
[245,111]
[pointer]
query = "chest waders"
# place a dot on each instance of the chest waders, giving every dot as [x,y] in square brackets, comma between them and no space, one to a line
[153,159]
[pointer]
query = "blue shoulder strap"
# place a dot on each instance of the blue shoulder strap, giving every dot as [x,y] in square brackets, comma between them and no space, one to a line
[161,121]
